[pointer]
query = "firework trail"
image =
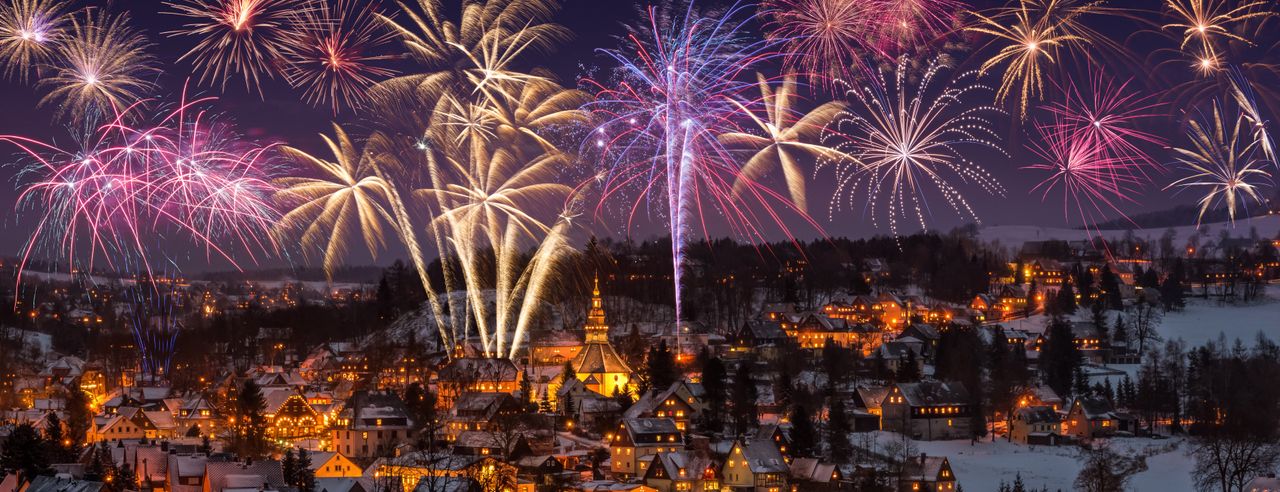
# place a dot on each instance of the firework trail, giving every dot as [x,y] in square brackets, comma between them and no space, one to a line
[127,188]
[155,325]
[1224,163]
[101,70]
[675,94]
[29,33]
[905,140]
[248,38]
[332,56]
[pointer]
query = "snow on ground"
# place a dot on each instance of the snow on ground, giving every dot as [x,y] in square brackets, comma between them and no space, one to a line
[1205,320]
[983,465]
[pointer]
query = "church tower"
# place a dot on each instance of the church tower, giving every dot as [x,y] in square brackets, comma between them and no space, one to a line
[596,328]
[598,364]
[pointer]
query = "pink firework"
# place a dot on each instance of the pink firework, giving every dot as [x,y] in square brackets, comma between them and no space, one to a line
[127,191]
[1111,114]
[842,39]
[1093,182]
[905,24]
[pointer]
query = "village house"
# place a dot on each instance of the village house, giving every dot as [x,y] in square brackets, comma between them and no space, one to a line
[811,331]
[479,412]
[475,375]
[290,417]
[372,424]
[433,471]
[759,337]
[757,465]
[637,440]
[1036,425]
[927,474]
[927,410]
[226,476]
[328,464]
[814,474]
[679,471]
[682,402]
[1089,418]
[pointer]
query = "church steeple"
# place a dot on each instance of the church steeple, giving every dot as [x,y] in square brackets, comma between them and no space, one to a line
[597,329]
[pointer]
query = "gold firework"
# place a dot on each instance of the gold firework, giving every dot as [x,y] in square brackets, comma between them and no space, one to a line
[1034,34]
[1202,20]
[29,33]
[785,134]
[244,37]
[478,48]
[347,200]
[1223,161]
[103,67]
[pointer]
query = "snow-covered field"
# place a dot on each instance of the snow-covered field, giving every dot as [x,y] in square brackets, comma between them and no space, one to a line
[983,465]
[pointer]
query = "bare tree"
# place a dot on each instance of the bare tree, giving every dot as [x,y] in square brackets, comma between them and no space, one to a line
[1106,471]
[1145,317]
[1225,462]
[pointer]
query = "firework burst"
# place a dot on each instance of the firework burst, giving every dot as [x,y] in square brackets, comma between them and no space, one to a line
[1092,181]
[825,39]
[245,38]
[102,69]
[1111,115]
[333,59]
[184,174]
[29,33]
[1224,163]
[904,144]
[1033,35]
[788,135]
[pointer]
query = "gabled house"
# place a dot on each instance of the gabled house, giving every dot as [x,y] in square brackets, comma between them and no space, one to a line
[1036,425]
[682,402]
[637,440]
[227,476]
[328,464]
[927,410]
[758,466]
[290,416]
[927,474]
[371,424]
[813,474]
[476,375]
[682,471]
[126,423]
[1089,418]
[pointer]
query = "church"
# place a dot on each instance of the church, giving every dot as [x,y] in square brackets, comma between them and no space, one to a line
[598,365]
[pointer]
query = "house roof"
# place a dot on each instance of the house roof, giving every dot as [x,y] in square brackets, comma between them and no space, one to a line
[763,456]
[764,330]
[222,475]
[1039,415]
[1095,408]
[812,470]
[47,483]
[599,358]
[927,467]
[931,393]
[683,465]
[644,426]
[479,369]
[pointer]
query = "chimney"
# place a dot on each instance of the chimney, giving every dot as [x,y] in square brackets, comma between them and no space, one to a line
[922,455]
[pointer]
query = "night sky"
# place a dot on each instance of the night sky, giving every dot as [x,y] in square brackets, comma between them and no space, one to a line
[281,115]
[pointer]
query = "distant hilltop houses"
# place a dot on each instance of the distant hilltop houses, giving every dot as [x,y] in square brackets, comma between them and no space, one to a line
[828,372]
